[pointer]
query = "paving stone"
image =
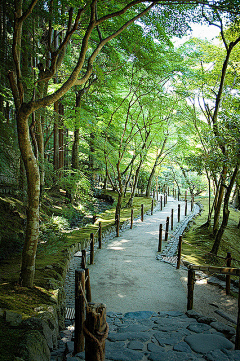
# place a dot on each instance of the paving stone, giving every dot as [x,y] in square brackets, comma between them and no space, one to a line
[199,327]
[225,329]
[131,336]
[152,347]
[133,328]
[182,347]
[122,354]
[139,315]
[135,345]
[165,338]
[172,356]
[204,343]
[80,355]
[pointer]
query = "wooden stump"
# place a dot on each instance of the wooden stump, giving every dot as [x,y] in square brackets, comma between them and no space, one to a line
[96,330]
[79,311]
[100,235]
[191,280]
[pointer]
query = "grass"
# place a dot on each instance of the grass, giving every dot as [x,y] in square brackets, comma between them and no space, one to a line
[198,240]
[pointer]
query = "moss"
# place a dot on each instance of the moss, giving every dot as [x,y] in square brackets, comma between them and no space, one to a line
[9,337]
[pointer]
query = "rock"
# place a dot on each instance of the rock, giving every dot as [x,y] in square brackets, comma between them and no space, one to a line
[13,318]
[228,331]
[139,315]
[135,345]
[204,343]
[33,347]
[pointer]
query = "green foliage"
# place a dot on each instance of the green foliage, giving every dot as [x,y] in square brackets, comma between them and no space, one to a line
[76,184]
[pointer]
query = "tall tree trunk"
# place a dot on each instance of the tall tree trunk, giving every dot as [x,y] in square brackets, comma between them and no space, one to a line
[226,213]
[130,202]
[220,195]
[61,140]
[55,136]
[75,150]
[33,182]
[91,158]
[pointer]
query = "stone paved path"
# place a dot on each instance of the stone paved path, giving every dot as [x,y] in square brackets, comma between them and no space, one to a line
[133,280]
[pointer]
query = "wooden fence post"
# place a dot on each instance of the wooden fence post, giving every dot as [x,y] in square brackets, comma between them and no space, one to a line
[157,194]
[88,286]
[237,341]
[142,212]
[161,204]
[191,205]
[228,278]
[185,207]
[168,191]
[83,263]
[152,208]
[95,328]
[164,200]
[91,248]
[100,235]
[131,224]
[178,197]
[167,229]
[79,311]
[160,239]
[118,225]
[179,252]
[191,280]
[171,219]
[179,213]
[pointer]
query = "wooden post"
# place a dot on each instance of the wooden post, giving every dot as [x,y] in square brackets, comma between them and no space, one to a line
[185,207]
[191,205]
[142,212]
[160,239]
[185,195]
[83,263]
[91,248]
[79,311]
[237,340]
[191,280]
[173,192]
[131,224]
[100,235]
[178,197]
[118,225]
[161,204]
[164,200]
[88,286]
[152,207]
[228,278]
[168,191]
[179,252]
[95,328]
[167,229]
[179,213]
[171,219]
[157,194]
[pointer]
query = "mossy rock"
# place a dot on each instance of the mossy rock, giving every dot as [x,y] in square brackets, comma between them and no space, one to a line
[33,347]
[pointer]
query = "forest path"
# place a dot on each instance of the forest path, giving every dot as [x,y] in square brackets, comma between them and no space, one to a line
[126,275]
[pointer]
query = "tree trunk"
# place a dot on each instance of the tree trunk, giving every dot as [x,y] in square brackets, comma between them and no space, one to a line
[55,135]
[91,159]
[75,150]
[130,202]
[61,140]
[226,213]
[33,182]
[219,200]
[150,179]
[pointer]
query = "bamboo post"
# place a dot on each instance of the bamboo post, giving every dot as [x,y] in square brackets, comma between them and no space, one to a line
[161,204]
[185,207]
[83,263]
[95,328]
[179,213]
[171,219]
[142,212]
[191,280]
[118,225]
[79,311]
[228,278]
[167,229]
[91,248]
[179,252]
[160,239]
[152,208]
[237,340]
[131,224]
[88,286]
[100,235]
